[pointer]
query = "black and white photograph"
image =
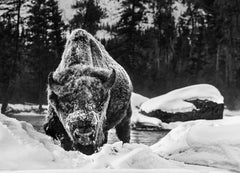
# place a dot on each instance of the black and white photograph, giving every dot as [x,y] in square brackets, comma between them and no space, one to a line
[118,86]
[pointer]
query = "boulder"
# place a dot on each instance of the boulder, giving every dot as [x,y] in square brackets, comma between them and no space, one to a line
[201,101]
[205,110]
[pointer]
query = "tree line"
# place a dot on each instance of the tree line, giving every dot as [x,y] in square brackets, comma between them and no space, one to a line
[202,45]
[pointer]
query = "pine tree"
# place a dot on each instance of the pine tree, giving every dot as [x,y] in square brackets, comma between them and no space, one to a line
[129,33]
[164,23]
[45,41]
[88,16]
[10,21]
[56,28]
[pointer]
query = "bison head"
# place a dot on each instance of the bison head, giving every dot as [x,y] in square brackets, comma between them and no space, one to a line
[80,98]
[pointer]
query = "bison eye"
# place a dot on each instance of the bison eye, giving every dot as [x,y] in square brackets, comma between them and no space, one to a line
[54,100]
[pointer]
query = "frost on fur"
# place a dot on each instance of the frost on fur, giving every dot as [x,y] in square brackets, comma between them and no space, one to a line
[88,94]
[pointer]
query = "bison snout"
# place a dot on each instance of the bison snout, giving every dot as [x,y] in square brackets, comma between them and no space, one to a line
[82,126]
[81,116]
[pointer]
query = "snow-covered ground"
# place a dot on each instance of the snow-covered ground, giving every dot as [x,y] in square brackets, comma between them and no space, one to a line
[20,109]
[213,143]
[175,101]
[23,148]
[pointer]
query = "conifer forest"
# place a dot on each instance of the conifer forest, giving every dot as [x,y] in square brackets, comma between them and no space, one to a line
[160,51]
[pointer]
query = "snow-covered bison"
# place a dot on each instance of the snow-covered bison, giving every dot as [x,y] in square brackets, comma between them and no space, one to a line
[88,94]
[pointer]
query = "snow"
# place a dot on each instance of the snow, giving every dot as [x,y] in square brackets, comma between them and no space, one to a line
[179,9]
[32,113]
[175,101]
[113,11]
[118,171]
[66,8]
[230,113]
[20,108]
[40,153]
[137,118]
[137,100]
[103,34]
[128,156]
[21,147]
[214,143]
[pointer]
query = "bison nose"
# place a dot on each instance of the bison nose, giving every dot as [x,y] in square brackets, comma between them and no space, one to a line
[81,121]
[78,132]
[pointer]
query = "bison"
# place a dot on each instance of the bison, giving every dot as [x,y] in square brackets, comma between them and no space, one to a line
[88,94]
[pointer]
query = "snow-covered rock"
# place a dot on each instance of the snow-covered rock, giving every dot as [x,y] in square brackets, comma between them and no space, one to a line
[137,100]
[201,101]
[139,120]
[175,101]
[214,143]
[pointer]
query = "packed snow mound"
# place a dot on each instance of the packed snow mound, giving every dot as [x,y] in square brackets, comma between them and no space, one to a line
[213,143]
[21,147]
[139,119]
[129,156]
[176,100]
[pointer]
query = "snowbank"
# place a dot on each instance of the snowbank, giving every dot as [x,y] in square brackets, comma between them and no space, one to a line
[19,108]
[175,101]
[230,113]
[137,100]
[129,156]
[21,147]
[180,170]
[213,143]
[139,119]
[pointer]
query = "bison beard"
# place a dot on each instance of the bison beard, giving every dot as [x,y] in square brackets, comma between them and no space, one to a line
[55,129]
[88,94]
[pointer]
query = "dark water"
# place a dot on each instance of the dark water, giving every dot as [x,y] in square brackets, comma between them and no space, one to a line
[144,137]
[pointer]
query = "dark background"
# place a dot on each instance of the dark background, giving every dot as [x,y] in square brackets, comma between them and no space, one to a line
[203,46]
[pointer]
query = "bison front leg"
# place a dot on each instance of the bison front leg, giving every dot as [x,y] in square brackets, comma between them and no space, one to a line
[123,128]
[54,128]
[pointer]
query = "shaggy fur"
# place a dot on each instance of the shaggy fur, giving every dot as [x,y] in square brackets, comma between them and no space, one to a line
[88,89]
